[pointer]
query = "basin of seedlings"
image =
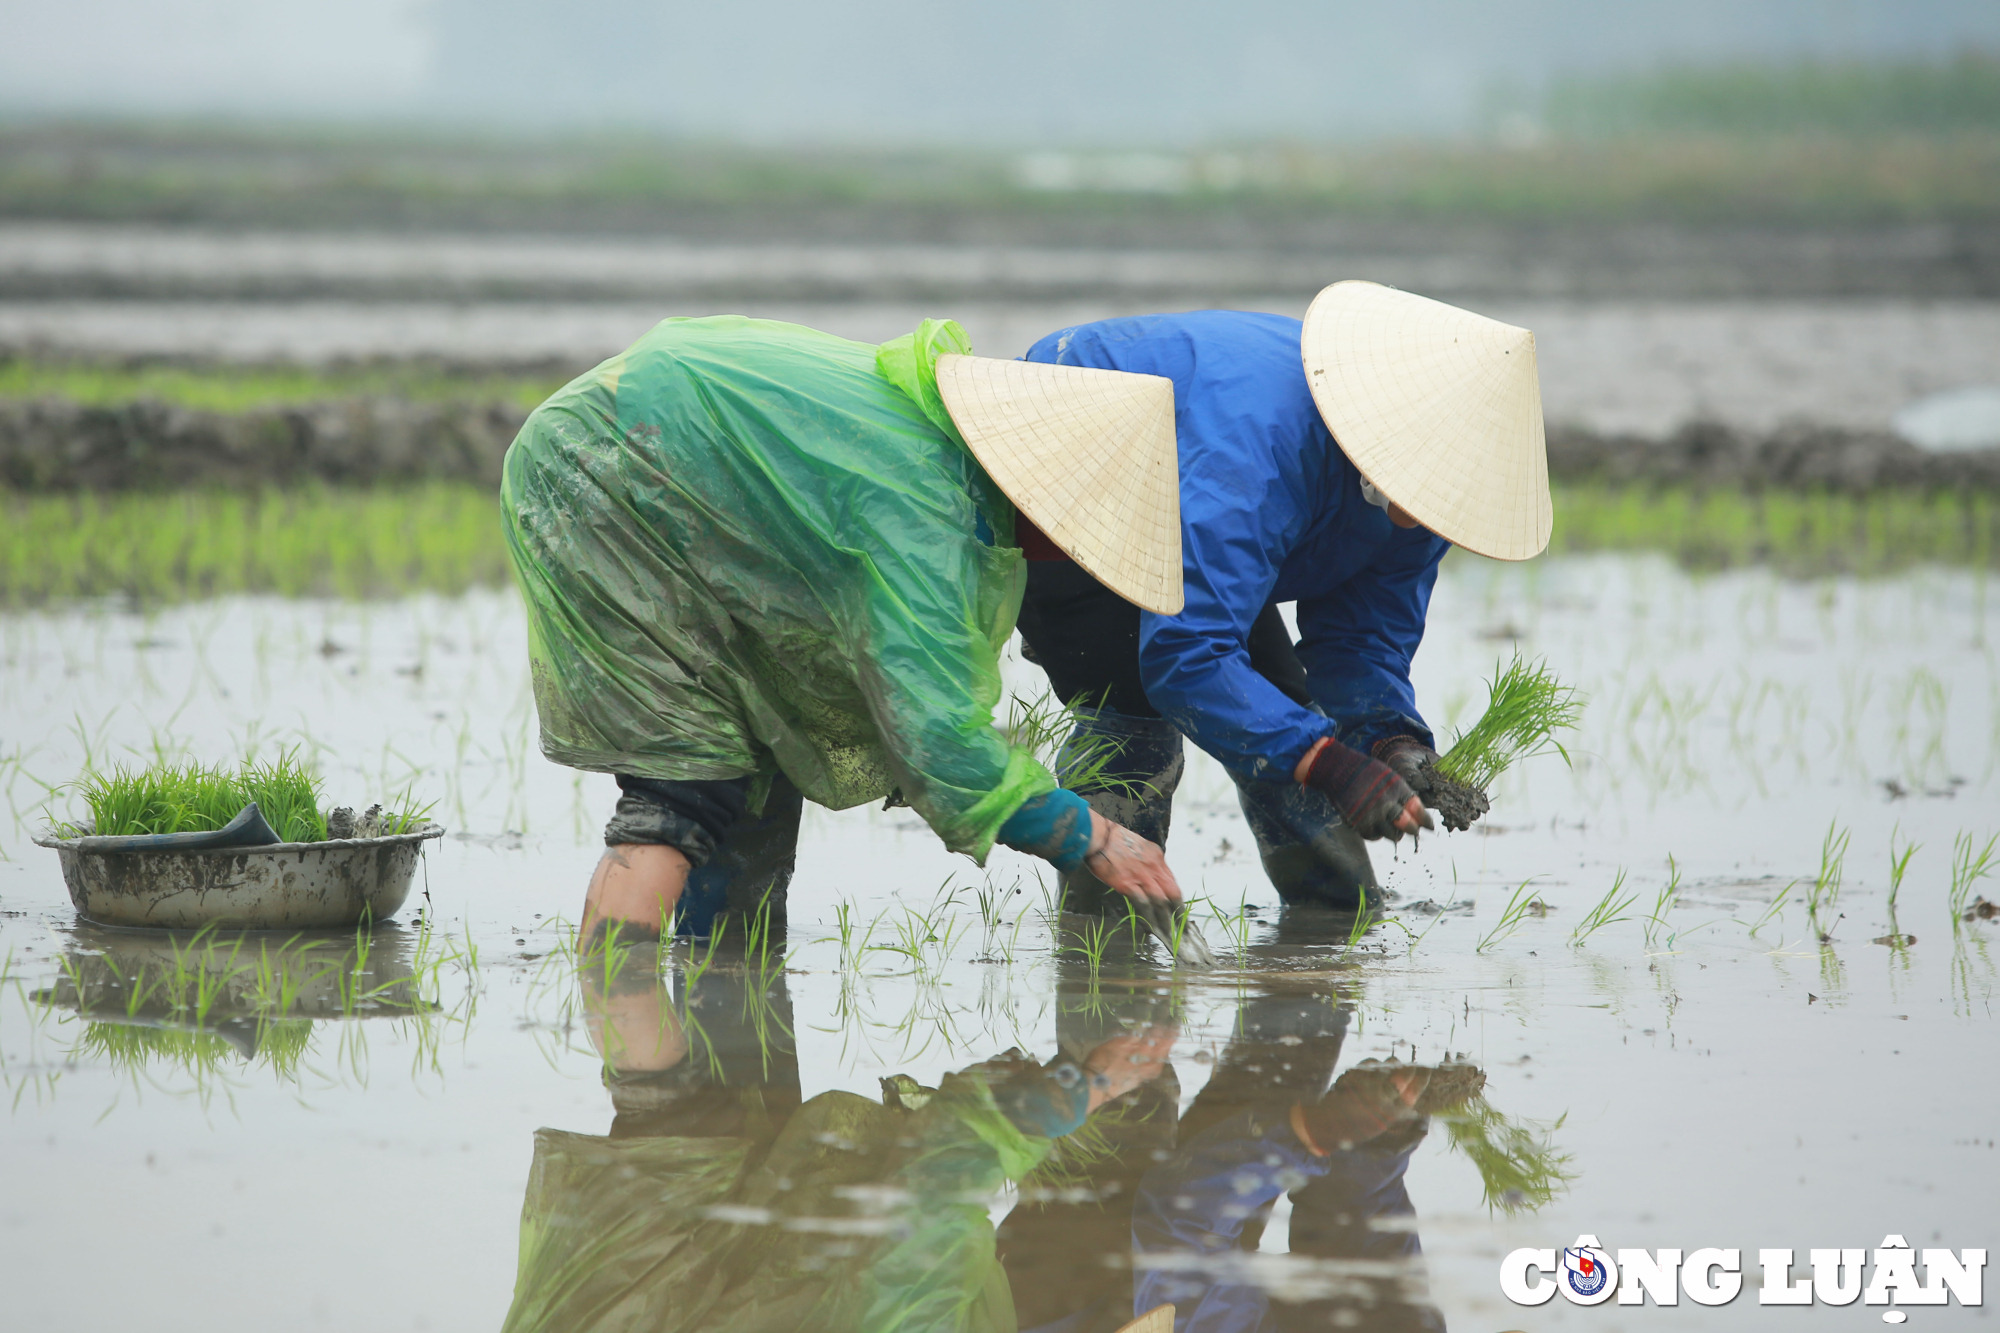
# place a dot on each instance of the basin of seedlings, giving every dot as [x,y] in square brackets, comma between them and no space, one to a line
[185,845]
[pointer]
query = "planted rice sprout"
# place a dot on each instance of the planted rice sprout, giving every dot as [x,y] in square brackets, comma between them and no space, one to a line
[1092,940]
[1511,916]
[1365,918]
[1665,901]
[1609,911]
[1968,867]
[1899,865]
[1823,895]
[1775,911]
[1236,924]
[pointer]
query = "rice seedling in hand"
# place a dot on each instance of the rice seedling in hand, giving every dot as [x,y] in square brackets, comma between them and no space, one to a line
[1048,728]
[1609,911]
[1519,1169]
[1526,706]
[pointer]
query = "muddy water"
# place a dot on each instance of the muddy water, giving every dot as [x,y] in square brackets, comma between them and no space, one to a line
[421,1131]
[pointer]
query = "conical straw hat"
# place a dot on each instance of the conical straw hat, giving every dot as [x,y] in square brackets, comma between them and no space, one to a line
[1088,455]
[1440,409]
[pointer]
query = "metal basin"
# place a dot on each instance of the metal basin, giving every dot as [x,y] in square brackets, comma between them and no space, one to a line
[285,886]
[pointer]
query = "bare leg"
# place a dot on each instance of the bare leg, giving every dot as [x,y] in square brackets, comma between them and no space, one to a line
[635,1029]
[636,887]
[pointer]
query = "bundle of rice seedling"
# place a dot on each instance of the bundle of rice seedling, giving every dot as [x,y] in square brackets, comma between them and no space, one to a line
[1526,705]
[199,798]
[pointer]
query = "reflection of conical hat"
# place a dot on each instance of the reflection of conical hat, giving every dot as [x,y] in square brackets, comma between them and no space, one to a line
[1439,408]
[1088,455]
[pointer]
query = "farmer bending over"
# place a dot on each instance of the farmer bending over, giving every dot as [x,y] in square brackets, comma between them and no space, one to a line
[1329,464]
[764,564]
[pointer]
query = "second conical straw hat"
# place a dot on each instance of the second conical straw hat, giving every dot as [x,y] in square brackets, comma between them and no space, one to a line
[1088,455]
[1439,408]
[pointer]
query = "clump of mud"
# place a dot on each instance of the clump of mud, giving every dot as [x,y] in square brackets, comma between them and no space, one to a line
[1457,804]
[344,823]
[1451,1086]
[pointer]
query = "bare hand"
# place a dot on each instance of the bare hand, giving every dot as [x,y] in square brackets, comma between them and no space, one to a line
[1129,864]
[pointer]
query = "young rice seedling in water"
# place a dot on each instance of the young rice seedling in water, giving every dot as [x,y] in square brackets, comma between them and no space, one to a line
[1825,890]
[1968,868]
[1511,916]
[1610,910]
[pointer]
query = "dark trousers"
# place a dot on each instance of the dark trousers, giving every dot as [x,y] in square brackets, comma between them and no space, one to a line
[742,862]
[1086,638]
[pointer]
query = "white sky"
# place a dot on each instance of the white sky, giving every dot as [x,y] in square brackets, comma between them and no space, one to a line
[1022,71]
[333,56]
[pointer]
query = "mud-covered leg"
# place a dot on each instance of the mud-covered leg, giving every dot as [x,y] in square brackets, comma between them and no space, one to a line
[1134,787]
[1310,855]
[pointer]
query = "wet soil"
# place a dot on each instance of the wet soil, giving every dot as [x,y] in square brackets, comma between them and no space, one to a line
[1458,805]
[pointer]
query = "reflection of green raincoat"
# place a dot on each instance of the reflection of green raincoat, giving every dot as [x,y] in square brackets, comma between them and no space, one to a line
[859,1219]
[748,547]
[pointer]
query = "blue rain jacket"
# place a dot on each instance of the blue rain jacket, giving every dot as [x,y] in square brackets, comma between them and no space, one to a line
[1271,510]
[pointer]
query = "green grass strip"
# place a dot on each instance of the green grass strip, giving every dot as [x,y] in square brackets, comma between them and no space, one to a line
[223,387]
[438,537]
[445,537]
[1798,532]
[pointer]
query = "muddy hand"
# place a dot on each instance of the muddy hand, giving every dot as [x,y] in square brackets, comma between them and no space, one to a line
[1459,806]
[1129,864]
[1370,795]
[1411,759]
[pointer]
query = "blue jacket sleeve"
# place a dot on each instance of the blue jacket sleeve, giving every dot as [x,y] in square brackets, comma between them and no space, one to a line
[1356,642]
[1196,665]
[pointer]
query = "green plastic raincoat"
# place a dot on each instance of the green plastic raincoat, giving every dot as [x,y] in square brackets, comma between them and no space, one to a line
[749,547]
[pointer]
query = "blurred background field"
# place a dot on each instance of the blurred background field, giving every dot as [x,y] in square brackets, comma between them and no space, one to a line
[1760,245]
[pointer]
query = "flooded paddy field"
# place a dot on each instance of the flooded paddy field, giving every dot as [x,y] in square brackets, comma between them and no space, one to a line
[1703,346]
[1639,366]
[1685,993]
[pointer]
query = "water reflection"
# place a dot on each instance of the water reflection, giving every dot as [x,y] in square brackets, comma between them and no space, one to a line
[722,1197]
[206,1003]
